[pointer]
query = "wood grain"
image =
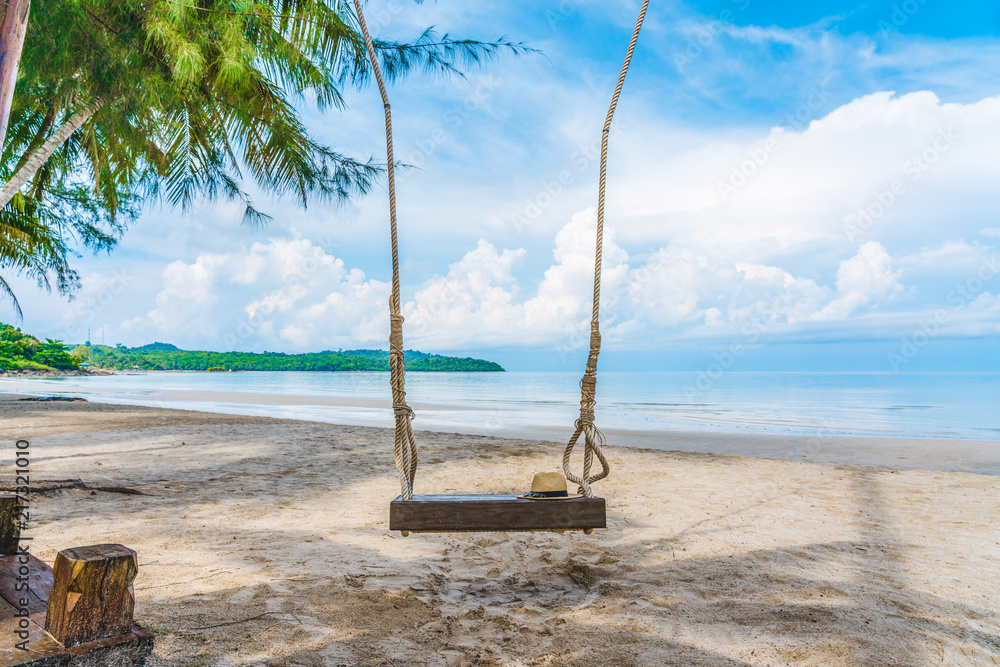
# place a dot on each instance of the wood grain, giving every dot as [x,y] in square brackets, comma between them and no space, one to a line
[39,582]
[478,512]
[42,649]
[10,526]
[92,596]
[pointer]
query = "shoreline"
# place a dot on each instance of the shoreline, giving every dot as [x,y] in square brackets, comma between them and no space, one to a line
[930,452]
[265,541]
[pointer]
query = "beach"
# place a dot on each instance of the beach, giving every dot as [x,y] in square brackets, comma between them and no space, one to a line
[265,541]
[933,421]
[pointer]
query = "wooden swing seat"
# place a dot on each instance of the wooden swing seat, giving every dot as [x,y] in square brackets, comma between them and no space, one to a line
[496,512]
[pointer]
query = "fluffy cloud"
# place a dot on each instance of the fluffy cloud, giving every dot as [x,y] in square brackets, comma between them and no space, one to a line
[882,168]
[867,278]
[293,295]
[478,302]
[286,294]
[849,226]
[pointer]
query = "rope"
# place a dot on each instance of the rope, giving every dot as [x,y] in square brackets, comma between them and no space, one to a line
[593,438]
[404,447]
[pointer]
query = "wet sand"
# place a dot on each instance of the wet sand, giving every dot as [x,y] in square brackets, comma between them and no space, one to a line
[265,542]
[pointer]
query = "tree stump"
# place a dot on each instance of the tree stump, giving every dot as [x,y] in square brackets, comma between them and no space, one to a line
[92,596]
[10,524]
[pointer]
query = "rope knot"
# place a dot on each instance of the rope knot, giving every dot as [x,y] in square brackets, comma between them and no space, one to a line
[588,399]
[402,410]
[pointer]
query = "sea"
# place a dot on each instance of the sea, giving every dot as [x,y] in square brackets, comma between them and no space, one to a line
[954,406]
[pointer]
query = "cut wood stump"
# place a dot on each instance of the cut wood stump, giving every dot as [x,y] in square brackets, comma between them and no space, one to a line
[92,596]
[25,586]
[10,524]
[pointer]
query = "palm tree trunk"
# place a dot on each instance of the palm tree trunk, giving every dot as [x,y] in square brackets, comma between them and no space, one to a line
[12,28]
[38,157]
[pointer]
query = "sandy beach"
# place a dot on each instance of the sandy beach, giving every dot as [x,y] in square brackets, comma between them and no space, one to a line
[265,542]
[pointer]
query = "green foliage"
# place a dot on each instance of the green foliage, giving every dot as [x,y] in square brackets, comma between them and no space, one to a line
[157,347]
[20,351]
[123,358]
[32,248]
[52,353]
[187,101]
[29,365]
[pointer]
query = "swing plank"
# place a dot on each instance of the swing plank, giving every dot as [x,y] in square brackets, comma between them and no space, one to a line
[501,512]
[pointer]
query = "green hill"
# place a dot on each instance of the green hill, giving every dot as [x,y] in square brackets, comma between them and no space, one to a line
[21,351]
[158,347]
[165,357]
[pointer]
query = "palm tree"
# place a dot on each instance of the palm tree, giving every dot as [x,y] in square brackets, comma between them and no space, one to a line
[128,101]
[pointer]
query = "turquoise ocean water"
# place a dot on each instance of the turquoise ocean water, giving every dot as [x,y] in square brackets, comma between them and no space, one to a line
[928,405]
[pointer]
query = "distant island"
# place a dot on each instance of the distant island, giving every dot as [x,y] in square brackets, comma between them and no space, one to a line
[21,352]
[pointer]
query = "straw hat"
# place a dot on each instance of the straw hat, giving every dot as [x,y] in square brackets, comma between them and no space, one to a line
[547,486]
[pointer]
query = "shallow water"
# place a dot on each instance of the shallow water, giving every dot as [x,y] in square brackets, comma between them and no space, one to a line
[922,405]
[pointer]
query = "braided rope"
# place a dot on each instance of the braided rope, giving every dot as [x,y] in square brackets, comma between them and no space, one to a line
[593,438]
[404,447]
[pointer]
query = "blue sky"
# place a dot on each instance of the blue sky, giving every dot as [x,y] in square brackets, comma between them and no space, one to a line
[791,186]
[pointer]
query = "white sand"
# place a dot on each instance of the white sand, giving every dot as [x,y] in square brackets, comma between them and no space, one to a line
[707,560]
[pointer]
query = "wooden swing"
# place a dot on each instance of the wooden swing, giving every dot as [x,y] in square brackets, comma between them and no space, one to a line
[496,512]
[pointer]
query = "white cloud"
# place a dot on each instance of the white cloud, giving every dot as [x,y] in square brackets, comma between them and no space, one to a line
[986,302]
[286,294]
[868,278]
[478,302]
[949,257]
[787,192]
[681,260]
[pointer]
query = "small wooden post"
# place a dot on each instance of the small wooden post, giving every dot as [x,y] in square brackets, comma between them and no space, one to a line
[10,524]
[92,596]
